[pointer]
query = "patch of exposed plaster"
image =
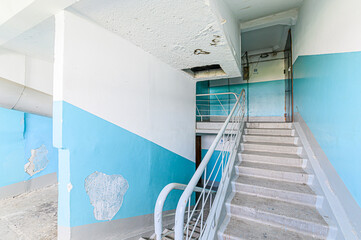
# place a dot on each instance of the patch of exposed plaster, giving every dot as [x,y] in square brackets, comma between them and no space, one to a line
[38,160]
[106,193]
[69,187]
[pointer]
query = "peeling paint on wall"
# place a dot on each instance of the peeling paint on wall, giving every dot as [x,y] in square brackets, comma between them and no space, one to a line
[38,160]
[106,194]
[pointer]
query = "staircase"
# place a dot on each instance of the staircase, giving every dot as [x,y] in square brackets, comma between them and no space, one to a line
[271,194]
[168,234]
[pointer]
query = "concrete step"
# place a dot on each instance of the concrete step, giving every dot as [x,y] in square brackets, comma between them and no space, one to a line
[240,228]
[292,160]
[168,234]
[269,125]
[282,190]
[271,147]
[270,131]
[290,215]
[270,139]
[214,125]
[275,172]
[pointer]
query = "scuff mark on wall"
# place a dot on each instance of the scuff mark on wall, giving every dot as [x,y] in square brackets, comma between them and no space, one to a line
[38,160]
[106,193]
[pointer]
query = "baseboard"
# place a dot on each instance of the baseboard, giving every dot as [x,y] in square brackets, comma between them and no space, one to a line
[28,186]
[344,207]
[126,229]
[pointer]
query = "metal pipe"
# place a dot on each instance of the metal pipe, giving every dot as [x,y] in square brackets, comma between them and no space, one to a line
[19,97]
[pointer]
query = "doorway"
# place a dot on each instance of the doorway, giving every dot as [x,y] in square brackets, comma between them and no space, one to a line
[288,79]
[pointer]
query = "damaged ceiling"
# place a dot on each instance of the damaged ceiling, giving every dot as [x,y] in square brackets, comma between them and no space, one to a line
[185,34]
[182,33]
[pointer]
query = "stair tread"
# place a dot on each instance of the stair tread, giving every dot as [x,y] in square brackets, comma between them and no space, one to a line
[272,154]
[272,136]
[273,167]
[275,184]
[288,129]
[241,228]
[272,144]
[278,207]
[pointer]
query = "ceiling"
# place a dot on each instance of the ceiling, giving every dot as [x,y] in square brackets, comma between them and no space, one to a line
[268,39]
[246,10]
[182,33]
[173,31]
[264,23]
[37,41]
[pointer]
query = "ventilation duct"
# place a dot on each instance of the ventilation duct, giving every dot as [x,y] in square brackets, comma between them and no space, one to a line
[19,97]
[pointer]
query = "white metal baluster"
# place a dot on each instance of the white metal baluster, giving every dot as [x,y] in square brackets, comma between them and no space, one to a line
[222,106]
[189,207]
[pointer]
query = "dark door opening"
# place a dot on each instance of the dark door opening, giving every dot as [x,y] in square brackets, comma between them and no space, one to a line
[289,79]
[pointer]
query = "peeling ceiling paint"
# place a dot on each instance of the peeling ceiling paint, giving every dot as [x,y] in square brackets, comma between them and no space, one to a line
[182,33]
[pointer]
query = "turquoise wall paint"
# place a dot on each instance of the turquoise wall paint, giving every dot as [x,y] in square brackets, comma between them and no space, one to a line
[20,133]
[90,143]
[215,165]
[202,102]
[266,98]
[327,94]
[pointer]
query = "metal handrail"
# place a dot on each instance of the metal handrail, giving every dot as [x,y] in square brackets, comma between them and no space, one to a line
[220,103]
[201,170]
[158,211]
[212,94]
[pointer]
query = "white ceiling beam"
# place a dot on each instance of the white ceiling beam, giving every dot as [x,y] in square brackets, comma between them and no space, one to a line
[29,15]
[283,18]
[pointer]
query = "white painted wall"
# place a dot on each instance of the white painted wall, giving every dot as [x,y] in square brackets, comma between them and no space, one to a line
[25,83]
[266,69]
[12,66]
[39,75]
[102,73]
[24,70]
[8,8]
[327,26]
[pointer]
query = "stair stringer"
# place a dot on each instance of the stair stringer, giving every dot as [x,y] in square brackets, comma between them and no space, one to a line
[331,209]
[223,219]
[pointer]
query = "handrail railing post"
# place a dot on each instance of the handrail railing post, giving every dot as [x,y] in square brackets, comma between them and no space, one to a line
[185,197]
[158,211]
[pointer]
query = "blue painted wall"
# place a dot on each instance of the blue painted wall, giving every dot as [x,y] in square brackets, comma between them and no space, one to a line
[214,164]
[94,144]
[265,98]
[20,133]
[327,94]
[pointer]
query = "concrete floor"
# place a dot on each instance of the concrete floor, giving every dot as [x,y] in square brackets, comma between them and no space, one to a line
[30,216]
